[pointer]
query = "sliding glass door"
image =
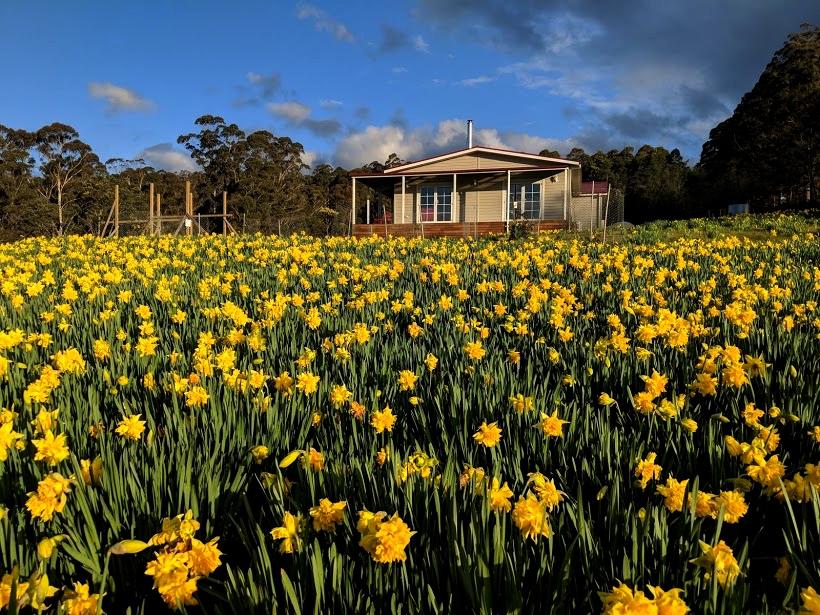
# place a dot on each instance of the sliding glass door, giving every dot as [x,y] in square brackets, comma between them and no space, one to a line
[436,203]
[525,201]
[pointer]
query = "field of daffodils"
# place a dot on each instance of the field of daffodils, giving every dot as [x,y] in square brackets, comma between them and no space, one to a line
[262,424]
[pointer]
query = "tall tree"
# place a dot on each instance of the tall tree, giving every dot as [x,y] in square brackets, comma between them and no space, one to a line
[16,162]
[272,189]
[770,146]
[579,155]
[64,160]
[328,191]
[21,207]
[657,185]
[393,160]
[216,148]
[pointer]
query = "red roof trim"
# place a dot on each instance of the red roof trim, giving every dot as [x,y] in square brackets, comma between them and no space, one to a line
[515,151]
[600,187]
[367,174]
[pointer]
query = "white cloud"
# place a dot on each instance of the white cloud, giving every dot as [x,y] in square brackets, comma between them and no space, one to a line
[378,142]
[419,44]
[309,157]
[324,22]
[118,98]
[476,80]
[449,131]
[452,134]
[165,156]
[399,69]
[330,103]
[294,112]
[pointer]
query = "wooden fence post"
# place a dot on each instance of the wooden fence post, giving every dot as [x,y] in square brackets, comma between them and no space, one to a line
[117,210]
[159,214]
[189,221]
[151,208]
[591,208]
[224,212]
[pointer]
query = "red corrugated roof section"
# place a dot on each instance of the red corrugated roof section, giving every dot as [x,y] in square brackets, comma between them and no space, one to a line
[600,187]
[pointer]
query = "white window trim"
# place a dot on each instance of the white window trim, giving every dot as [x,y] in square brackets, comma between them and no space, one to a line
[436,188]
[540,197]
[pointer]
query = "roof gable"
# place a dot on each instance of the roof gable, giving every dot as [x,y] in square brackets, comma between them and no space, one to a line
[478,158]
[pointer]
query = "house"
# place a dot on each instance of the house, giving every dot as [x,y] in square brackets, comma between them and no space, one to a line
[476,191]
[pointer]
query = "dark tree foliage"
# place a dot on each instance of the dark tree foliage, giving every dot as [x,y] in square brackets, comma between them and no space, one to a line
[393,161]
[328,189]
[22,210]
[655,181]
[768,151]
[217,149]
[65,165]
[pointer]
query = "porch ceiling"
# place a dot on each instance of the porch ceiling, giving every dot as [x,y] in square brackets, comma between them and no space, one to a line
[379,183]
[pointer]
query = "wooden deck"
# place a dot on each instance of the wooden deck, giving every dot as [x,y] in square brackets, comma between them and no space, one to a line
[448,229]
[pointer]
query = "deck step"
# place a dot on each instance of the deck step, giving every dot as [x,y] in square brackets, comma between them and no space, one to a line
[447,229]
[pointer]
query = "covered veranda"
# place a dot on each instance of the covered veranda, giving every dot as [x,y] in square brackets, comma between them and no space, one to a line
[466,202]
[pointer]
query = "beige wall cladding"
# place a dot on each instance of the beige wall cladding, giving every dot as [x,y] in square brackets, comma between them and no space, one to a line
[460,163]
[502,161]
[552,197]
[482,160]
[409,203]
[489,199]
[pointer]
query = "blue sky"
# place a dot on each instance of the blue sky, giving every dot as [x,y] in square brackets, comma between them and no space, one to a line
[355,81]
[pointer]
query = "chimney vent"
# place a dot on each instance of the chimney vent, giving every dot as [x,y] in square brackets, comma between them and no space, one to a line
[469,133]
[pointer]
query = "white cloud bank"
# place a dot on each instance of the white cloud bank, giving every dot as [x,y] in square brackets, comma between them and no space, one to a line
[378,142]
[166,157]
[291,111]
[119,98]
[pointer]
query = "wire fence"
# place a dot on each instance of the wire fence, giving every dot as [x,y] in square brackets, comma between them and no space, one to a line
[615,211]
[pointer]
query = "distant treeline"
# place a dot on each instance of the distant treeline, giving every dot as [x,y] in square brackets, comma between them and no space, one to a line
[767,154]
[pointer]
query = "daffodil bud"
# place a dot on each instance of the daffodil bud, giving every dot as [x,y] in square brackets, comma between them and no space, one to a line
[45,548]
[290,458]
[128,547]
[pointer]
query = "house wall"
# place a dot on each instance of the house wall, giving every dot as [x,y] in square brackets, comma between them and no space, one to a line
[552,199]
[488,199]
[409,202]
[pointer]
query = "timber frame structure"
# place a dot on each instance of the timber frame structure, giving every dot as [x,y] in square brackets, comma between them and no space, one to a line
[153,224]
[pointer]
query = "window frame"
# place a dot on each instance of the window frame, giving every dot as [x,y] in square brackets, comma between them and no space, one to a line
[436,211]
[527,189]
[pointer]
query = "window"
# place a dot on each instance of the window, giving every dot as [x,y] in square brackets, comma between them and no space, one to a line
[444,203]
[436,203]
[428,204]
[525,201]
